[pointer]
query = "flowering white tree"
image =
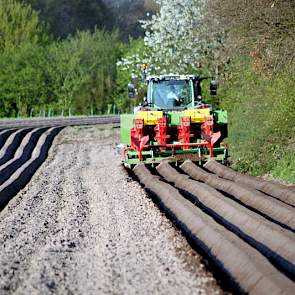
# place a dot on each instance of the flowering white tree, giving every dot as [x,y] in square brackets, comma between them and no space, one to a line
[177,36]
[177,39]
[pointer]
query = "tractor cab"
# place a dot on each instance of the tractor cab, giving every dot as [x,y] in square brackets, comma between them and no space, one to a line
[169,93]
[173,123]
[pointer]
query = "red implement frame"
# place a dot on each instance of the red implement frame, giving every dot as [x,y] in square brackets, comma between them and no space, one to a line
[208,133]
[138,140]
[161,132]
[184,131]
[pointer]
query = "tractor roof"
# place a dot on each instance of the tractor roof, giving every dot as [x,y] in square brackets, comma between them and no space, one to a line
[171,77]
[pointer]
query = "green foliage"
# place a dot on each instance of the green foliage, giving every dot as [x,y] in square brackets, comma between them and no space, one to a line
[255,62]
[83,71]
[129,66]
[19,24]
[23,80]
[285,168]
[42,76]
[262,115]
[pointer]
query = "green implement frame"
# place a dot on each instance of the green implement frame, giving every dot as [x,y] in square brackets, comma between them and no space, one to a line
[154,157]
[153,154]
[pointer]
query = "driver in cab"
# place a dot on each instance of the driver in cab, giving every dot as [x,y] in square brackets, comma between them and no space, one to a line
[172,96]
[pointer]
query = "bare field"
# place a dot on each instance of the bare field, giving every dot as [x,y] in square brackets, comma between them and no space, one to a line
[82,226]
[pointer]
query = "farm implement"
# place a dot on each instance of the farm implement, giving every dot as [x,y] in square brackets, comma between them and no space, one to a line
[173,124]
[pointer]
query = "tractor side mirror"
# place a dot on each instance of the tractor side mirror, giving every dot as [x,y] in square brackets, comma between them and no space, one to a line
[131,90]
[213,87]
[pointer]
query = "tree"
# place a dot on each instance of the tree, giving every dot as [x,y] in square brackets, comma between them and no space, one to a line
[19,24]
[176,35]
[130,66]
[82,69]
[263,29]
[151,6]
[256,62]
[65,17]
[23,80]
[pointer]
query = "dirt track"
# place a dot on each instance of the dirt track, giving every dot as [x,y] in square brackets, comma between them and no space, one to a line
[83,227]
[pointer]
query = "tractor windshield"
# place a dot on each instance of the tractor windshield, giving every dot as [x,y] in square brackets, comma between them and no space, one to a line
[167,94]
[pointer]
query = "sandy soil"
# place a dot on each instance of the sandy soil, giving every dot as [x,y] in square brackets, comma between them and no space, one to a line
[82,226]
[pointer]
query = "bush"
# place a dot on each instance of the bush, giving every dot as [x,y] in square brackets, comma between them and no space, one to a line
[23,80]
[130,65]
[82,70]
[262,115]
[20,24]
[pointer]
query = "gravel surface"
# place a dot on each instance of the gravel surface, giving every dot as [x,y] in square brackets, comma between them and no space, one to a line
[82,226]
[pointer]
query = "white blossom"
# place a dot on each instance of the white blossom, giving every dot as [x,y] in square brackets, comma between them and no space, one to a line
[176,36]
[176,39]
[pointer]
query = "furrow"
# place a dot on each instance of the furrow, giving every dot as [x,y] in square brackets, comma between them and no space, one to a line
[270,239]
[277,211]
[279,191]
[23,174]
[11,145]
[250,271]
[4,134]
[22,154]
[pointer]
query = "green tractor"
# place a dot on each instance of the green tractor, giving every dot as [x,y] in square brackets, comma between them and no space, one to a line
[173,123]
